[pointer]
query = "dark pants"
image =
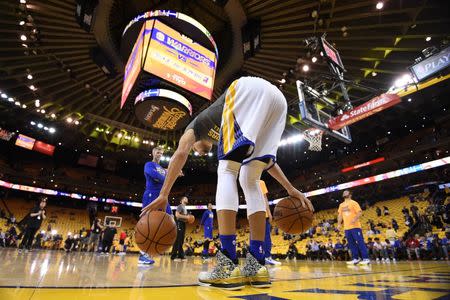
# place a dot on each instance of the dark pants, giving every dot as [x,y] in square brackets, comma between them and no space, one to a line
[356,243]
[177,249]
[106,246]
[28,237]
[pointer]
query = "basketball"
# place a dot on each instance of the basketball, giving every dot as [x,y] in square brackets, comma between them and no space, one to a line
[155,232]
[191,219]
[291,217]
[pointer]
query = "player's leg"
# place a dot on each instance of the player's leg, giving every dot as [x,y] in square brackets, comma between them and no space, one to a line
[359,238]
[226,274]
[254,269]
[352,246]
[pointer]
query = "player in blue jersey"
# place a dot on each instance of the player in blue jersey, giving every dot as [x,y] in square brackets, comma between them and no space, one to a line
[154,177]
[207,222]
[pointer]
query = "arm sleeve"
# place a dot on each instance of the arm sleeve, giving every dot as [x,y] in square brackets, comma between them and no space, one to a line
[151,171]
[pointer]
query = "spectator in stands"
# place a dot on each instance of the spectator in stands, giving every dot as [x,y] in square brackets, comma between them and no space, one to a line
[13,239]
[413,246]
[33,223]
[437,221]
[415,212]
[378,210]
[94,237]
[2,238]
[370,250]
[292,252]
[390,234]
[399,250]
[339,250]
[395,224]
[69,243]
[386,211]
[389,246]
[370,232]
[11,220]
[108,237]
[84,239]
[409,222]
[405,211]
[444,245]
[122,238]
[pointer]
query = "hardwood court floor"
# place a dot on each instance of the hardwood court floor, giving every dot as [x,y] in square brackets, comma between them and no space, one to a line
[55,275]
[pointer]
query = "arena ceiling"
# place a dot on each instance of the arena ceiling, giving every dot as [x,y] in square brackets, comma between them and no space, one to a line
[376,46]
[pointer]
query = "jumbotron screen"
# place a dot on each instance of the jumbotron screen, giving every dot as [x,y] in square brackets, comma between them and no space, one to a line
[173,57]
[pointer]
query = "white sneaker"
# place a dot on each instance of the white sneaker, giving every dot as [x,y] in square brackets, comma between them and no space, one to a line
[394,260]
[364,262]
[377,259]
[353,262]
[271,261]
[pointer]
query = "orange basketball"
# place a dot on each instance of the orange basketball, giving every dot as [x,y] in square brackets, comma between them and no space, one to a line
[191,219]
[291,217]
[155,232]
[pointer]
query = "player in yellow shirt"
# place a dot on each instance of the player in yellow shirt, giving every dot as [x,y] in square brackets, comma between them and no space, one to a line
[350,212]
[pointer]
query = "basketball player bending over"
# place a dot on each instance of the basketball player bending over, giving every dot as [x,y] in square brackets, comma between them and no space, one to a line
[248,121]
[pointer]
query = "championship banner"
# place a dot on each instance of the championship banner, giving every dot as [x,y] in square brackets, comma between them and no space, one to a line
[363,111]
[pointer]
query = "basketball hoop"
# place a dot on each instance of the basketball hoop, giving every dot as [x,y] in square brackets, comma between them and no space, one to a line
[314,138]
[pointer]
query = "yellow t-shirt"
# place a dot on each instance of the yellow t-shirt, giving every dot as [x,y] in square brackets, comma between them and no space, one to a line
[349,209]
[264,190]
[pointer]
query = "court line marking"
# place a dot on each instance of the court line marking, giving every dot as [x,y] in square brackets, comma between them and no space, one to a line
[187,285]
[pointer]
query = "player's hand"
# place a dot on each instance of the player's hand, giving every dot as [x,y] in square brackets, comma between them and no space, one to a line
[299,195]
[159,203]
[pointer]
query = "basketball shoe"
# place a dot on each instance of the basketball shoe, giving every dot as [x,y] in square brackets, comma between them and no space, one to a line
[271,261]
[255,274]
[225,275]
[353,262]
[145,260]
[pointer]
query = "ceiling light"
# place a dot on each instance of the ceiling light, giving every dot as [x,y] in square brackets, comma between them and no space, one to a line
[379,5]
[45,128]
[23,37]
[136,140]
[21,23]
[314,59]
[37,103]
[305,68]
[60,143]
[428,38]
[29,76]
[77,122]
[42,111]
[53,116]
[283,80]
[17,103]
[152,143]
[23,1]
[33,123]
[25,45]
[4,96]
[119,135]
[409,99]
[40,125]
[107,132]
[10,99]
[374,74]
[32,87]
[128,137]
[24,106]
[196,153]
[69,120]
[51,130]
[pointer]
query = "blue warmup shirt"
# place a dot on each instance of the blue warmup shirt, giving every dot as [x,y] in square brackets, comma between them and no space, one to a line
[207,222]
[154,179]
[207,218]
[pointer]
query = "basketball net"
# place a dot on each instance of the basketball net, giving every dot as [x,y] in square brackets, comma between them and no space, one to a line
[314,138]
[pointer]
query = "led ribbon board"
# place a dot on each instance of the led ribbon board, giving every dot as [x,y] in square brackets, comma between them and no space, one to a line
[380,177]
[432,65]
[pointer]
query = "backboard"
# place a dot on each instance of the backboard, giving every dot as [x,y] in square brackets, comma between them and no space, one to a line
[316,110]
